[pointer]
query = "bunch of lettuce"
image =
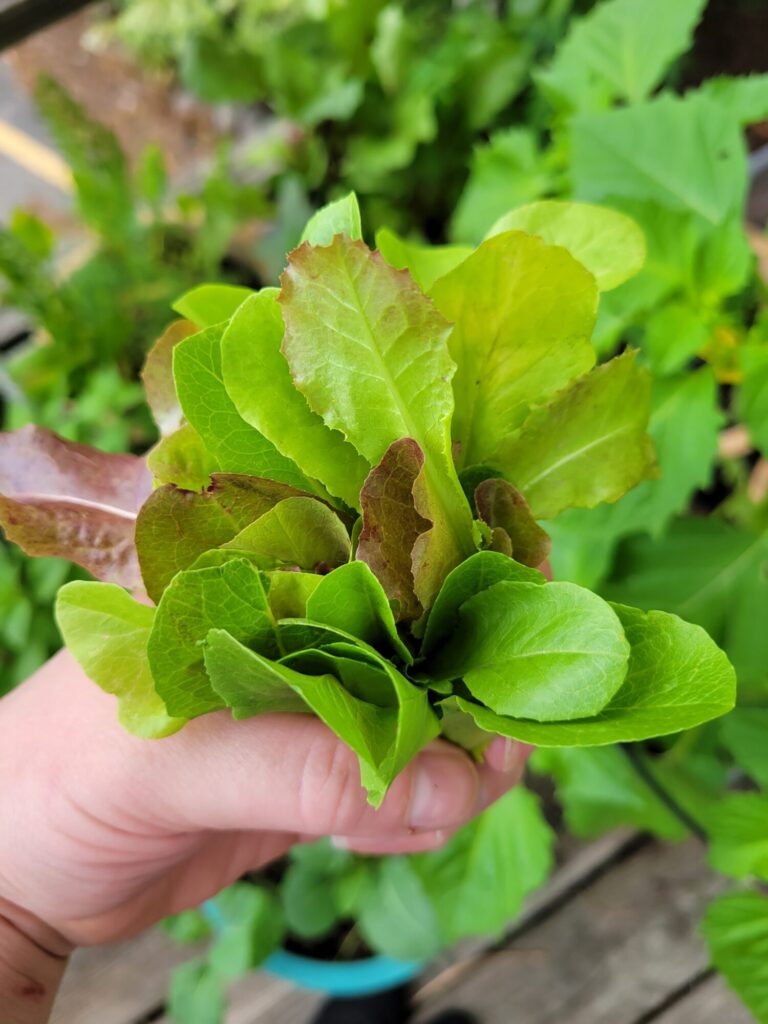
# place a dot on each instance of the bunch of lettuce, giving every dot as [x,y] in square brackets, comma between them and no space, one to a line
[342,516]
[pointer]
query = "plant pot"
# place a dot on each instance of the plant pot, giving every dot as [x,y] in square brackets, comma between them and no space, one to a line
[342,978]
[339,978]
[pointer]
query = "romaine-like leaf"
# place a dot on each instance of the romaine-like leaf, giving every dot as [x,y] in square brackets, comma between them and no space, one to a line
[476,574]
[677,679]
[210,304]
[736,930]
[182,459]
[299,532]
[259,383]
[368,351]
[502,506]
[232,597]
[588,444]
[289,592]
[550,653]
[523,313]
[157,376]
[241,678]
[107,631]
[341,217]
[237,446]
[608,243]
[175,527]
[426,263]
[392,523]
[352,599]
[72,501]
[738,836]
[681,153]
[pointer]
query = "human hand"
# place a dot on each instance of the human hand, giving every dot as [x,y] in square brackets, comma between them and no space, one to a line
[105,834]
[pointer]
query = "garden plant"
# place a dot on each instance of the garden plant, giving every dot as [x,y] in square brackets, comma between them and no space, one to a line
[76,370]
[343,518]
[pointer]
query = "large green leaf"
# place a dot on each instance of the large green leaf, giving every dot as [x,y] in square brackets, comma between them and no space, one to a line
[608,243]
[259,383]
[237,446]
[476,574]
[684,425]
[587,445]
[238,675]
[426,263]
[230,597]
[736,930]
[341,217]
[299,532]
[395,914]
[175,527]
[523,313]
[738,836]
[352,599]
[368,350]
[107,631]
[182,459]
[550,653]
[209,304]
[620,50]
[682,153]
[677,679]
[478,881]
[745,98]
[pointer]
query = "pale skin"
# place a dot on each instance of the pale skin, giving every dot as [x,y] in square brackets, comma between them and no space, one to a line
[104,834]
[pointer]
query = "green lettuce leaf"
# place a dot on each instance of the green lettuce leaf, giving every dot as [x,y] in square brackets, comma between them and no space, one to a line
[108,631]
[738,836]
[426,263]
[550,653]
[207,406]
[341,217]
[240,677]
[677,679]
[368,351]
[608,243]
[209,304]
[352,599]
[232,597]
[298,531]
[587,445]
[514,343]
[476,574]
[258,381]
[182,459]
[157,377]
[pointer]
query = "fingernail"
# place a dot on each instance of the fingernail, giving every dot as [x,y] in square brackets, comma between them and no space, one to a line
[508,756]
[444,790]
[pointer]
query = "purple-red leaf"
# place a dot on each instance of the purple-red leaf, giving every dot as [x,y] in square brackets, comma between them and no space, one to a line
[72,501]
[506,511]
[392,524]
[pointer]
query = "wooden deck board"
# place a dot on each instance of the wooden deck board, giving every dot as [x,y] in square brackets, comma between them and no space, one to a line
[711,1002]
[615,952]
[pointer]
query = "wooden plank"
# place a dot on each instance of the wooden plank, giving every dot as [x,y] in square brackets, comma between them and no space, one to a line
[118,984]
[614,952]
[711,1002]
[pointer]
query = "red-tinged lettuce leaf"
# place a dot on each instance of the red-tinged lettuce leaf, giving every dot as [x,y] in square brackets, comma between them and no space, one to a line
[72,501]
[392,524]
[175,526]
[182,459]
[506,511]
[157,376]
